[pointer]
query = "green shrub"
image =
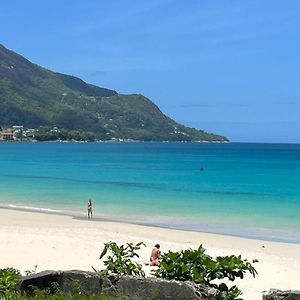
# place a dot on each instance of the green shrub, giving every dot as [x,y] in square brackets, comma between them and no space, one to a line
[197,266]
[119,259]
[9,282]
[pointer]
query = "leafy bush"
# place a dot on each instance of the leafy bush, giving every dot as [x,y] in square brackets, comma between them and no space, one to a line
[9,281]
[119,259]
[199,267]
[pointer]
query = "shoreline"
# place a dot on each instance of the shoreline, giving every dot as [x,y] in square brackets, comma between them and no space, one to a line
[76,215]
[60,242]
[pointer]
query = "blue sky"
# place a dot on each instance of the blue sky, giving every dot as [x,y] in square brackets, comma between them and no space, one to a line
[229,67]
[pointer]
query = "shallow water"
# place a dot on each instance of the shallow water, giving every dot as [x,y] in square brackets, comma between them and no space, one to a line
[250,190]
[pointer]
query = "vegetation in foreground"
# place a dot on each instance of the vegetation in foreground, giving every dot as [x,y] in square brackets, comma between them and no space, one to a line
[119,259]
[186,265]
[195,265]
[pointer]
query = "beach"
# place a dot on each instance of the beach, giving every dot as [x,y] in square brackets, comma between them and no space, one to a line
[246,190]
[34,240]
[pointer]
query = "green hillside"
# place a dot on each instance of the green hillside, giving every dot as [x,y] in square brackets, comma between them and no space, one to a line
[34,96]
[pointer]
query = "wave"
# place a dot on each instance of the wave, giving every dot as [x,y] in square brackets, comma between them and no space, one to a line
[31,208]
[231,193]
[138,185]
[120,183]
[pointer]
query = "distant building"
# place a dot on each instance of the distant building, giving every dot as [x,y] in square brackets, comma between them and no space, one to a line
[29,132]
[18,131]
[17,128]
[7,136]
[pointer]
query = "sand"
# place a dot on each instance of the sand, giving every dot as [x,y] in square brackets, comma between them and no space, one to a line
[31,240]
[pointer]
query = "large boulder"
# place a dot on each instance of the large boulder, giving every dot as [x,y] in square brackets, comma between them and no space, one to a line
[274,294]
[133,287]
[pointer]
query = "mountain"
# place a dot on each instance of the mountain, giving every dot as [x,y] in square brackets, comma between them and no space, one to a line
[33,96]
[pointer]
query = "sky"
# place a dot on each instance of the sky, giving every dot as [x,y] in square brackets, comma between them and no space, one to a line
[228,67]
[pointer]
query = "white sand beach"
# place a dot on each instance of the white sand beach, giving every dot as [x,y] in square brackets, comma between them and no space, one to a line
[64,243]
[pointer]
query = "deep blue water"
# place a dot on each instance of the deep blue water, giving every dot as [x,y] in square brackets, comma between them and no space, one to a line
[249,190]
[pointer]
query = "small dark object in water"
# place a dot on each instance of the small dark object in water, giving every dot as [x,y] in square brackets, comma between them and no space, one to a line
[263,247]
[201,169]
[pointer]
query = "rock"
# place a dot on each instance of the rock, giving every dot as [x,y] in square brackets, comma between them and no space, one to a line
[274,294]
[89,282]
[133,287]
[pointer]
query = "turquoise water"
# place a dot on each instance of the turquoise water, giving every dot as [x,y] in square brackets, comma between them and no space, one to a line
[250,190]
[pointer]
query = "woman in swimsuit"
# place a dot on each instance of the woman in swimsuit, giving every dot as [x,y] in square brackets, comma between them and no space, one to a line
[89,209]
[154,258]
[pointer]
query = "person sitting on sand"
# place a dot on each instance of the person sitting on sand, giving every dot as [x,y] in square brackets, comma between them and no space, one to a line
[89,209]
[154,258]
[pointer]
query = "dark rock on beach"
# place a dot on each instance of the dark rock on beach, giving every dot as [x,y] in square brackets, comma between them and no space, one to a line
[133,287]
[274,294]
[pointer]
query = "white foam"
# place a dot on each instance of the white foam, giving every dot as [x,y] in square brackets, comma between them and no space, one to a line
[34,208]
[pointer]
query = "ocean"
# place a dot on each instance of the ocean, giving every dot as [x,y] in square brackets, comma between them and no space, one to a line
[244,189]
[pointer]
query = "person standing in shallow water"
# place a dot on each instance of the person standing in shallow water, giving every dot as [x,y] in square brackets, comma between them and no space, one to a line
[90,209]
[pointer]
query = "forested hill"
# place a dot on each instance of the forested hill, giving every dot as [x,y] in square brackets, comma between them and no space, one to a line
[33,96]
